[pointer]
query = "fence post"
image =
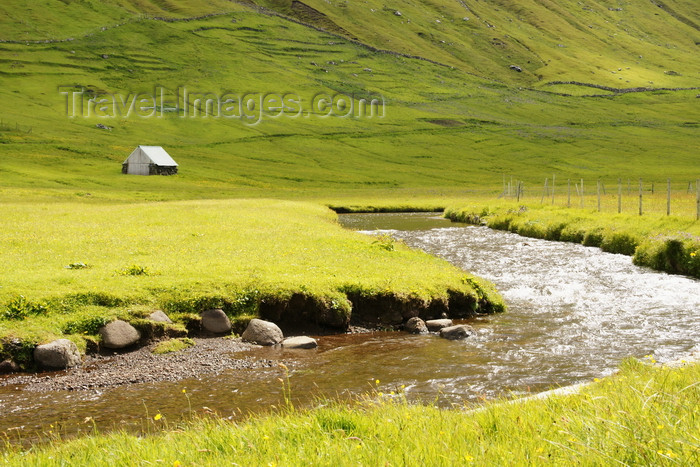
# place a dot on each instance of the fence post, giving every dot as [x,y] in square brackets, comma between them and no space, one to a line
[619,195]
[598,191]
[510,186]
[652,188]
[568,195]
[640,196]
[583,204]
[554,177]
[668,197]
[517,189]
[545,191]
[697,199]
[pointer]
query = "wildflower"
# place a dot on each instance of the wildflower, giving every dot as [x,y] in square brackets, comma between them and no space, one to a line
[376,381]
[659,427]
[184,391]
[177,464]
[692,255]
[157,417]
[596,380]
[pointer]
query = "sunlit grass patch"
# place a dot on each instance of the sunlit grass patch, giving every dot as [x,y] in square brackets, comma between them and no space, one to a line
[173,345]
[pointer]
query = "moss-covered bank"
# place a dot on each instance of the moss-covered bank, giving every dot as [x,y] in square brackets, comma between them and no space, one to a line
[670,244]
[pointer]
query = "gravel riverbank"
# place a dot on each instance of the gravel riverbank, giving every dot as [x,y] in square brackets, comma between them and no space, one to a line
[208,356]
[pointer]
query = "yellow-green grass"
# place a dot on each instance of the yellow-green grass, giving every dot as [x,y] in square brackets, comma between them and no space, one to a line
[668,243]
[69,268]
[643,415]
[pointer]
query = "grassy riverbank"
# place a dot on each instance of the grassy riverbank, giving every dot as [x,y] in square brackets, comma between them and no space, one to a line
[644,415]
[69,268]
[665,243]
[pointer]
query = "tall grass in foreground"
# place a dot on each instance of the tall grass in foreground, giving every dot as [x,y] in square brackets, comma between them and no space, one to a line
[644,415]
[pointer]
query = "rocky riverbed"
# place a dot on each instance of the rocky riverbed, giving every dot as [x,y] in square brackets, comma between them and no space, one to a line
[208,356]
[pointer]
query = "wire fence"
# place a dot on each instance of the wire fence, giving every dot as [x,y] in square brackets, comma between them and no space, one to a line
[622,195]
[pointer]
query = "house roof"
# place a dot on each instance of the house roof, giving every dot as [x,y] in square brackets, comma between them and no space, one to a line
[158,155]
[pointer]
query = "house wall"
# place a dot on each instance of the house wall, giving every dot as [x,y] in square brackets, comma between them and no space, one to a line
[138,163]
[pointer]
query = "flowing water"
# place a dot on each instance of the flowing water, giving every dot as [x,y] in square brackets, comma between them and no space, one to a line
[573,314]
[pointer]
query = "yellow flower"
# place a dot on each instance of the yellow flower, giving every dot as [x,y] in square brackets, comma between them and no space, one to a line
[659,427]
[184,391]
[693,254]
[596,380]
[157,417]
[376,381]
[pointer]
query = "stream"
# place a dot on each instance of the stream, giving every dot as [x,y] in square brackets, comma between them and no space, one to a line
[574,313]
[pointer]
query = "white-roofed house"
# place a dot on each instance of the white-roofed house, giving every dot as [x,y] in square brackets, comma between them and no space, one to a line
[149,160]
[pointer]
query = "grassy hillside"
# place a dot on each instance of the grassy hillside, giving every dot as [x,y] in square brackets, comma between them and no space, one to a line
[445,130]
[611,42]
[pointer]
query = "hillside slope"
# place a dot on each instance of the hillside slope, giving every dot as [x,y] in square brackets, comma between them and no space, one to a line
[451,118]
[610,42]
